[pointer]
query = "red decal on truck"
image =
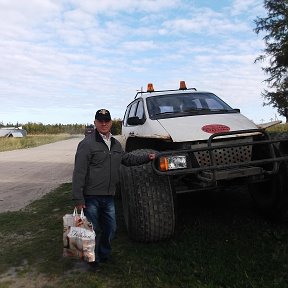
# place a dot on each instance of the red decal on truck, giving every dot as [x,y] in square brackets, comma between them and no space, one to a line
[215,128]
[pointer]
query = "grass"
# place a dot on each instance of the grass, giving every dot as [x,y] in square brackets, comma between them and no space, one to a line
[11,143]
[278,128]
[220,242]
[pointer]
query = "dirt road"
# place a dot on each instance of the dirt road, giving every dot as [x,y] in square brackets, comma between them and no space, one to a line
[28,174]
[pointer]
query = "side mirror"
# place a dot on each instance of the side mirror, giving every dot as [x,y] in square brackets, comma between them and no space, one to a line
[237,109]
[135,121]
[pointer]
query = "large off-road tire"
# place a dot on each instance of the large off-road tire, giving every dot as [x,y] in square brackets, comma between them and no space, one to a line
[148,203]
[271,196]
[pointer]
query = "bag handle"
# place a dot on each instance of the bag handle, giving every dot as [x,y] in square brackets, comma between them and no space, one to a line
[75,213]
[82,214]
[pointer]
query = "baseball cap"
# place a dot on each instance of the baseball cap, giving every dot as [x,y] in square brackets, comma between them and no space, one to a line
[103,114]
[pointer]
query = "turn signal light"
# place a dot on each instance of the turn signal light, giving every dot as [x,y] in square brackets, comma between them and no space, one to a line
[163,164]
[150,87]
[182,85]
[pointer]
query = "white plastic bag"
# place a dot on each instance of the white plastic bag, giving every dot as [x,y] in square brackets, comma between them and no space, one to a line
[78,237]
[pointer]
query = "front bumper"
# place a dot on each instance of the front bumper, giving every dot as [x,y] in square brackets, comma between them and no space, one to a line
[233,167]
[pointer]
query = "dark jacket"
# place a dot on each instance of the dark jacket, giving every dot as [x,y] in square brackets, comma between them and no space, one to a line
[96,169]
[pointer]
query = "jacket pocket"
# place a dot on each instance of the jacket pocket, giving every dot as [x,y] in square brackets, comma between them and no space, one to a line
[98,158]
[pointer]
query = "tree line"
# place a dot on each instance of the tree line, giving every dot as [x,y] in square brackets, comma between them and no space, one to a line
[40,128]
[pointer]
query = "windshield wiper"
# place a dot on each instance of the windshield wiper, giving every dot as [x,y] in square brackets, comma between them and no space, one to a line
[210,110]
[225,110]
[166,112]
[196,109]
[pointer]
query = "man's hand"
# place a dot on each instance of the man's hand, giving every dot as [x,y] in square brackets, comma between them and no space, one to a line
[80,206]
[152,156]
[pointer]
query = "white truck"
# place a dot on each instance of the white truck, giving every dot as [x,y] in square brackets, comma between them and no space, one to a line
[201,144]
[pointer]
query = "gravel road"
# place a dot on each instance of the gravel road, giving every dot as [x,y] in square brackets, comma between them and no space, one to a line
[28,174]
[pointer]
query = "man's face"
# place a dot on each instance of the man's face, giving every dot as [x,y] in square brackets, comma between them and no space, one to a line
[103,127]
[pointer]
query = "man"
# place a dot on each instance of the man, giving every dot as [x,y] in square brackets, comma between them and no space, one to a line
[95,176]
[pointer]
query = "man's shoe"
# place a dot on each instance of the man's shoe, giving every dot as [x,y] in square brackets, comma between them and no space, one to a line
[94,266]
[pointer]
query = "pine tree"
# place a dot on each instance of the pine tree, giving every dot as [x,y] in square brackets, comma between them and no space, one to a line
[276,52]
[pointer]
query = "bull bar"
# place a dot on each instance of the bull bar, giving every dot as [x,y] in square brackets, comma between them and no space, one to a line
[243,168]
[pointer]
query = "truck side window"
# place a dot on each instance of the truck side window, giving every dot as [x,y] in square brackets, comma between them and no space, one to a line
[133,109]
[126,116]
[140,110]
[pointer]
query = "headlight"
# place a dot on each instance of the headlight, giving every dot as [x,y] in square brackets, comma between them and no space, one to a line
[172,162]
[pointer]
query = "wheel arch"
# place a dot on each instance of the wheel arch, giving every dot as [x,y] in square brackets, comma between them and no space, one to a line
[138,143]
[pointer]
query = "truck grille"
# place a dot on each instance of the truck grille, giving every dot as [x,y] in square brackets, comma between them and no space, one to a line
[223,156]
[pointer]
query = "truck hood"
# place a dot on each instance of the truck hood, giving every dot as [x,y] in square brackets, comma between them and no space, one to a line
[201,127]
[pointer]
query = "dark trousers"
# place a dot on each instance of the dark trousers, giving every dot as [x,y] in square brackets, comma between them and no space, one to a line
[100,210]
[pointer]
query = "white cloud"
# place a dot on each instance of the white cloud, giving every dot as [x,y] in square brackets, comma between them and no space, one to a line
[252,7]
[204,21]
[139,45]
[110,6]
[68,58]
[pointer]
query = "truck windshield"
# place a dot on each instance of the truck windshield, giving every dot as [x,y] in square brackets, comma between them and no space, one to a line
[177,105]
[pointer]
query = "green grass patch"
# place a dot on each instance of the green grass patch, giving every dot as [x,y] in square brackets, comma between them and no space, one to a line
[11,143]
[278,128]
[220,242]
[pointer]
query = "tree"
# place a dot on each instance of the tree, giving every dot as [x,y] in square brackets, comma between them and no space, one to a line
[276,40]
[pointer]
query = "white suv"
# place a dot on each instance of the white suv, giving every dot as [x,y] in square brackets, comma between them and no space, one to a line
[201,143]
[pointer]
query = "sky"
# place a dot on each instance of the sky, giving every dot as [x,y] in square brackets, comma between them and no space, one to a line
[61,60]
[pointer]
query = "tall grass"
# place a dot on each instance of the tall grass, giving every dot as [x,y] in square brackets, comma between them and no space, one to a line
[278,128]
[11,143]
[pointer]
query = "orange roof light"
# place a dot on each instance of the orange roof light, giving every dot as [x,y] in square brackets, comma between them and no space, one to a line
[182,85]
[150,87]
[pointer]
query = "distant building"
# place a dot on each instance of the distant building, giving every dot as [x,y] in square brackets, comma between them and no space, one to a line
[12,132]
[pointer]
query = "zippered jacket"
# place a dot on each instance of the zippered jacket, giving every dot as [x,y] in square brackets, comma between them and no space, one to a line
[96,168]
